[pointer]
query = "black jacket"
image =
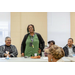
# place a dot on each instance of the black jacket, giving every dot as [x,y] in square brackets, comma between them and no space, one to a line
[14,51]
[66,50]
[41,42]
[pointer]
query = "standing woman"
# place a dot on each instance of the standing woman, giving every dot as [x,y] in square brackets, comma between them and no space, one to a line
[32,43]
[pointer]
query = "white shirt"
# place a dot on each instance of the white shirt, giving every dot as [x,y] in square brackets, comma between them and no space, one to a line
[70,51]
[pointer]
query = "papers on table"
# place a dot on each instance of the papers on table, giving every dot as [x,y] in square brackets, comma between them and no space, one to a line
[5,58]
[45,58]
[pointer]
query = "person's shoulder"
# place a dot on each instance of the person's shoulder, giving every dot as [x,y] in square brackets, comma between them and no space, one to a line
[38,34]
[65,46]
[73,46]
[2,45]
[26,35]
[13,45]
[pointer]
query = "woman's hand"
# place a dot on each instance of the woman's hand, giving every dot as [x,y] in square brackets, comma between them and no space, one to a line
[22,54]
[39,51]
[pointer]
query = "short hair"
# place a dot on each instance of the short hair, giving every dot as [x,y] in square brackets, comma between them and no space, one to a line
[57,52]
[32,26]
[52,42]
[71,39]
[7,38]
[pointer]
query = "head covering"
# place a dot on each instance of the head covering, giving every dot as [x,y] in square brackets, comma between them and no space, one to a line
[51,41]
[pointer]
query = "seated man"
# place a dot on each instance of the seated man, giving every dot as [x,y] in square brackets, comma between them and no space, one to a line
[69,49]
[50,44]
[8,47]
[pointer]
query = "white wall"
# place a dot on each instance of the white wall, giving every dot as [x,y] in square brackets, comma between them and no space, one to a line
[58,27]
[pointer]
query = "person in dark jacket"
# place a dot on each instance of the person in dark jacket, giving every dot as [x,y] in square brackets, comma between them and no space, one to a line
[8,48]
[32,43]
[69,49]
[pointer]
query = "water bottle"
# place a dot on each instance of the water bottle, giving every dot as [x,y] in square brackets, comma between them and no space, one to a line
[35,54]
[73,54]
[43,55]
[7,55]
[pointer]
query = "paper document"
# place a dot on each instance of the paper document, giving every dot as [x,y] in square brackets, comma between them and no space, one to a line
[45,58]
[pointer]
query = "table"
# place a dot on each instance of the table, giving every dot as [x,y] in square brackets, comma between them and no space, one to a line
[72,59]
[42,59]
[22,59]
[64,59]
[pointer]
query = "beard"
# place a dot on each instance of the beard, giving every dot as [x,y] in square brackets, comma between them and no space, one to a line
[70,45]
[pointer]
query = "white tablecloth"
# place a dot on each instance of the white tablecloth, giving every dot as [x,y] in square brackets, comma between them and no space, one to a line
[42,59]
[22,59]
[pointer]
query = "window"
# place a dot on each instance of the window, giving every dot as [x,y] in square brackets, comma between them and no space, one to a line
[58,27]
[4,26]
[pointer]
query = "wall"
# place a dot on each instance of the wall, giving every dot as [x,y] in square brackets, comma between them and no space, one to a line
[58,24]
[72,15]
[15,30]
[19,23]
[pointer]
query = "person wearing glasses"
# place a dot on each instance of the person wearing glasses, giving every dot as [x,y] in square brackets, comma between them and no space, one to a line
[55,53]
[32,43]
[11,49]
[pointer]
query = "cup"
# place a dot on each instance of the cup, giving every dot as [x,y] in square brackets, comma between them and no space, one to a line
[73,55]
[43,55]
[35,54]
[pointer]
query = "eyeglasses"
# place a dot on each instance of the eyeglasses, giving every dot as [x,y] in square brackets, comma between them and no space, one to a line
[8,40]
[49,53]
[31,28]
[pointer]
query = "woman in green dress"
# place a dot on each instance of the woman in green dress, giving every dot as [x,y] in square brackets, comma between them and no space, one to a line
[32,43]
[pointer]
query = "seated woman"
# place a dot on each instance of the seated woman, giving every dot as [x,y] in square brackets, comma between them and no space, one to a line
[55,53]
[11,49]
[50,44]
